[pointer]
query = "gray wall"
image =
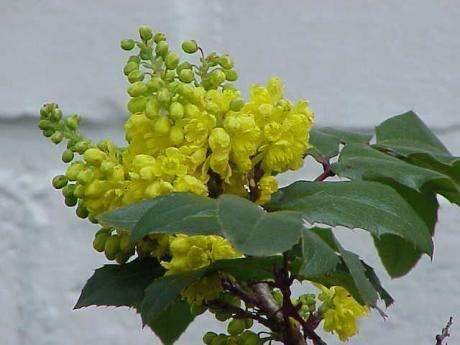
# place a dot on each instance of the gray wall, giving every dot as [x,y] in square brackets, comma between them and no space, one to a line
[357,61]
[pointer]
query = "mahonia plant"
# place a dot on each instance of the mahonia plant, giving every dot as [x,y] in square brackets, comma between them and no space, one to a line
[191,211]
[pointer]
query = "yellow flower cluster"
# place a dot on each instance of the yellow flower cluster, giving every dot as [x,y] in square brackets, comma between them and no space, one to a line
[340,311]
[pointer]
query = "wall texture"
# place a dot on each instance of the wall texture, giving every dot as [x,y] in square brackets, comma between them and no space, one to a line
[357,61]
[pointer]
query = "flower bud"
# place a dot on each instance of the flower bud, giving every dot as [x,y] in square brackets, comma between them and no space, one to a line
[162,125]
[162,48]
[145,33]
[94,156]
[60,181]
[70,201]
[217,77]
[85,176]
[73,170]
[99,241]
[250,338]
[82,146]
[197,309]
[208,337]
[236,104]
[130,67]
[236,326]
[172,60]
[45,111]
[73,121]
[135,75]
[137,104]
[159,36]
[82,212]
[229,86]
[68,190]
[126,244]
[222,316]
[190,46]
[136,89]
[186,75]
[127,44]
[185,91]
[170,75]
[45,124]
[146,54]
[57,137]
[226,62]
[67,156]
[183,65]
[164,96]
[176,110]
[112,247]
[176,135]
[155,84]
[56,115]
[231,75]
[152,108]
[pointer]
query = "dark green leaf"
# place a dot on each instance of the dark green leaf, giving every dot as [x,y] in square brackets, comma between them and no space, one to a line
[375,281]
[162,293]
[172,322]
[357,204]
[120,285]
[326,141]
[362,162]
[317,256]
[246,225]
[248,268]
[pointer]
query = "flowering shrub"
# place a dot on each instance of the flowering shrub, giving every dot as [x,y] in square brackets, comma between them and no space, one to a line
[191,211]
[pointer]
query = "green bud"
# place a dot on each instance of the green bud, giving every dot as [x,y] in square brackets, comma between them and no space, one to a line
[121,258]
[221,339]
[136,89]
[112,247]
[68,190]
[134,58]
[82,211]
[48,132]
[229,86]
[236,104]
[172,60]
[170,75]
[189,47]
[145,32]
[162,125]
[135,75]
[197,309]
[217,77]
[236,326]
[185,91]
[57,137]
[146,54]
[46,110]
[45,124]
[208,337]
[226,62]
[159,36]
[176,110]
[186,75]
[162,48]
[221,316]
[85,176]
[60,181]
[152,108]
[231,75]
[250,338]
[56,115]
[164,96]
[127,44]
[129,67]
[99,241]
[155,84]
[137,104]
[67,156]
[71,201]
[126,244]
[82,146]
[73,121]
[183,65]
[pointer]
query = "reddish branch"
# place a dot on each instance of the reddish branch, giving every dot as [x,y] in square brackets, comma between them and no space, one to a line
[444,333]
[327,171]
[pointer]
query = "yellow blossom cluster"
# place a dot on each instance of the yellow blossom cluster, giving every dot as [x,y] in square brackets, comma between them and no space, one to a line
[340,311]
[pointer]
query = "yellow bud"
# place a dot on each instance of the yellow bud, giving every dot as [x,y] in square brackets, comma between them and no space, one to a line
[176,135]
[162,125]
[94,156]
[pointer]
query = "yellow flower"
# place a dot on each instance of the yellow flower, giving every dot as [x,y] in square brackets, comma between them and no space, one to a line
[206,288]
[267,186]
[340,311]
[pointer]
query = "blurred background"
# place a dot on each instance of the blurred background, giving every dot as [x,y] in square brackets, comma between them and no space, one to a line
[357,61]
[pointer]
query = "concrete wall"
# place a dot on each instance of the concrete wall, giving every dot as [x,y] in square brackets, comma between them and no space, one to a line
[357,61]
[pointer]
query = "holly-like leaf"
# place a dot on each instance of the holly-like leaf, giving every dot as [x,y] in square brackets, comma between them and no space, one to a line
[317,257]
[172,322]
[245,224]
[120,285]
[247,268]
[363,162]
[162,293]
[356,204]
[326,141]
